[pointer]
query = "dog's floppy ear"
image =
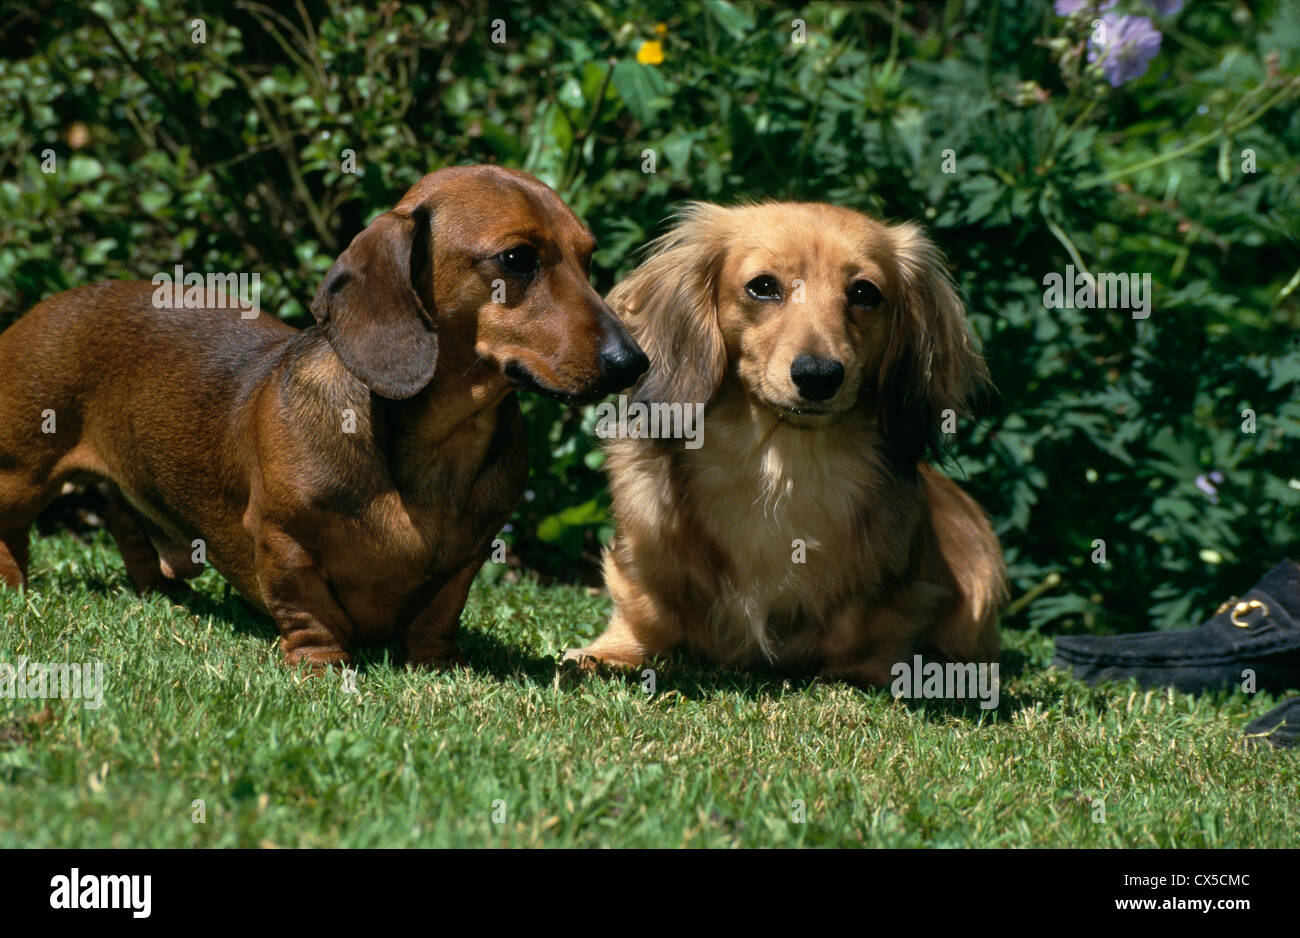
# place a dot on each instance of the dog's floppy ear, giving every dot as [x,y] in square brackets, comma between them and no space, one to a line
[369,308]
[669,305]
[931,363]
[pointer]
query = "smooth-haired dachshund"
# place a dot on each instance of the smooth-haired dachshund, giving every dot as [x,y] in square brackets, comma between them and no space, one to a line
[347,478]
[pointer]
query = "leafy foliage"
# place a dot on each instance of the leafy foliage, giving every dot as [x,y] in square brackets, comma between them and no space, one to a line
[227,155]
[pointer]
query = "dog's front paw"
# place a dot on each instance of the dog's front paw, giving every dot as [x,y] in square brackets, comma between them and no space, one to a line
[588,661]
[316,660]
[579,661]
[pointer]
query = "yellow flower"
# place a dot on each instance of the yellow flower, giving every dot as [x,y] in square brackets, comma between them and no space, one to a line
[651,53]
[661,29]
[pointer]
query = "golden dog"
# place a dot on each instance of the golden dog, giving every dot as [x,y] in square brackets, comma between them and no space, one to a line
[826,348]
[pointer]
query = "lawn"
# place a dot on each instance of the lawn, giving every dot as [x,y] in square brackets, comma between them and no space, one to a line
[198,706]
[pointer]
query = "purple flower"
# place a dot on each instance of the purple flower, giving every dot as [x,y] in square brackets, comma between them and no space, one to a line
[1127,45]
[1167,7]
[1206,483]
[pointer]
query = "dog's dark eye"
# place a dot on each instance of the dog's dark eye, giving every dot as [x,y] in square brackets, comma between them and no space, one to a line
[764,288]
[520,260]
[866,294]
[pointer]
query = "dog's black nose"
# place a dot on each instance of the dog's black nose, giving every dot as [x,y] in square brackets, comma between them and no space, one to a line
[622,362]
[817,378]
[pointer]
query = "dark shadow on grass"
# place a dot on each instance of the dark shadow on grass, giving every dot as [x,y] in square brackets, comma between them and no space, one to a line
[697,678]
[1013,663]
[487,654]
[232,609]
[685,673]
[484,655]
[694,677]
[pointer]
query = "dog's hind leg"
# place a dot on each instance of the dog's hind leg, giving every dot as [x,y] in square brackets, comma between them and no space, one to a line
[20,503]
[13,557]
[963,554]
[36,456]
[138,551]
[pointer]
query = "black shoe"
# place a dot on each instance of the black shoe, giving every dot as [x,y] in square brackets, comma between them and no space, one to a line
[1260,632]
[1280,726]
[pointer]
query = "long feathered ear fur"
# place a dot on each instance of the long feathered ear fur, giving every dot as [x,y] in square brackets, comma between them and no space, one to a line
[669,304]
[932,363]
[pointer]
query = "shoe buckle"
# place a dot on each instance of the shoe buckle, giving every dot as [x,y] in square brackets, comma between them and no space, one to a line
[1240,610]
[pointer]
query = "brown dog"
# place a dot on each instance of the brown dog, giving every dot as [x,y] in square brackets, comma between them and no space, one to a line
[826,349]
[347,478]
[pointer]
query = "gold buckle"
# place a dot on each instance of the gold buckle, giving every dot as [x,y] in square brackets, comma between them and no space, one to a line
[1242,608]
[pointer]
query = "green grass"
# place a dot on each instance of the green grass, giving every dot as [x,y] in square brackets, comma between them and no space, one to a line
[199,706]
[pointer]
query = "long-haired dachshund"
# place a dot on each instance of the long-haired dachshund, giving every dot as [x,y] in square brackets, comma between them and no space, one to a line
[805,530]
[348,478]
